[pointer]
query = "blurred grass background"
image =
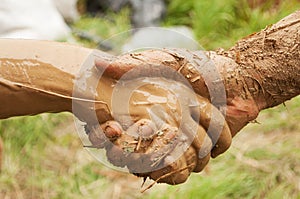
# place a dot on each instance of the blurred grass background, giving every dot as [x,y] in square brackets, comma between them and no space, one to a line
[44,157]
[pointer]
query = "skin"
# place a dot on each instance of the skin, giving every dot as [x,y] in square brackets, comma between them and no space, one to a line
[251,73]
[259,72]
[40,77]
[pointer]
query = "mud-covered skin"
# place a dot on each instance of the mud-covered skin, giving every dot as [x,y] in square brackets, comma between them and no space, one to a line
[36,80]
[174,142]
[153,157]
[269,62]
[260,71]
[41,82]
[267,72]
[39,77]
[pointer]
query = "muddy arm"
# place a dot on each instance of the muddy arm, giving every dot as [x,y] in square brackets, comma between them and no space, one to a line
[39,76]
[267,69]
[260,71]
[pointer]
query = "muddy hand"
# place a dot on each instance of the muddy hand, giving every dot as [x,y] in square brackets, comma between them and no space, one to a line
[163,154]
[163,132]
[171,64]
[202,69]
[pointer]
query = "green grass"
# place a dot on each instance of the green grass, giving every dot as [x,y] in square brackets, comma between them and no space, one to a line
[221,23]
[44,157]
[215,23]
[41,157]
[112,27]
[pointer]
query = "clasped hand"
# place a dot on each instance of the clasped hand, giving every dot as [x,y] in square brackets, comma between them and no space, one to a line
[162,129]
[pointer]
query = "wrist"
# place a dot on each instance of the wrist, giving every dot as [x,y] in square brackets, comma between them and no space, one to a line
[243,98]
[270,59]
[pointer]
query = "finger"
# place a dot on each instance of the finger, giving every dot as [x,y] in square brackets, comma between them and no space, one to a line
[196,134]
[151,63]
[112,129]
[102,112]
[115,155]
[96,136]
[150,152]
[178,170]
[143,128]
[134,142]
[143,132]
[104,136]
[200,141]
[176,158]
[119,145]
[214,123]
[126,62]
[99,135]
[118,67]
[224,140]
[203,156]
[201,163]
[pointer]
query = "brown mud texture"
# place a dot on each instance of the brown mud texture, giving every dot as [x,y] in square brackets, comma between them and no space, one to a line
[262,70]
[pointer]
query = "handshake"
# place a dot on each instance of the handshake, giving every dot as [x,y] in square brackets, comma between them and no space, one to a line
[174,108]
[160,113]
[168,112]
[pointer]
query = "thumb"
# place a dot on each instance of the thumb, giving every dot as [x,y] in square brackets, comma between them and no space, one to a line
[117,67]
[142,64]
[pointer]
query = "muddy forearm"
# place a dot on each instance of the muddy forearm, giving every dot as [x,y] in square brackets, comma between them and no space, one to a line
[24,87]
[38,76]
[269,62]
[260,71]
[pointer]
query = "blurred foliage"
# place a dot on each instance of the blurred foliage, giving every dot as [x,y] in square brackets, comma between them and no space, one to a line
[44,156]
[104,27]
[215,23]
[221,23]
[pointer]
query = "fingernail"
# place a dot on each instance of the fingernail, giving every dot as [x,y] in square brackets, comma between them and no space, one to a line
[146,131]
[113,131]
